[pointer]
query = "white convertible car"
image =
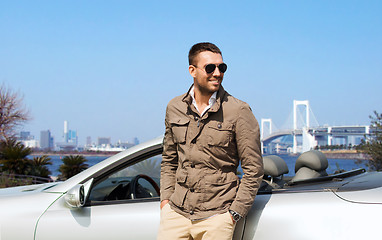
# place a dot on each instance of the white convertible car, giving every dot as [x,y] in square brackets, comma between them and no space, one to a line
[119,199]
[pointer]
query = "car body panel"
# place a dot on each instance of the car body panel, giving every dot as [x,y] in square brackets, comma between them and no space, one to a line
[20,213]
[312,215]
[134,220]
[363,189]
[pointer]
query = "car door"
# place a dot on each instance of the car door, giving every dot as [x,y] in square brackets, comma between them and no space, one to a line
[112,211]
[302,214]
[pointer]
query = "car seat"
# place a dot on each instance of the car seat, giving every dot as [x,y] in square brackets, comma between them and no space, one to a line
[311,164]
[274,169]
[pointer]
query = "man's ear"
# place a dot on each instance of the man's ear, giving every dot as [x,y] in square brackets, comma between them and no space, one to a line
[192,70]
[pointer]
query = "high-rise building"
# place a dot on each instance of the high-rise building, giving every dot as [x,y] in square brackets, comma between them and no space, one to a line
[70,139]
[46,140]
[25,135]
[88,141]
[65,131]
[104,141]
[70,136]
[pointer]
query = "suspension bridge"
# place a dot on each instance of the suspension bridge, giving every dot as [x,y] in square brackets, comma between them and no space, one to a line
[305,133]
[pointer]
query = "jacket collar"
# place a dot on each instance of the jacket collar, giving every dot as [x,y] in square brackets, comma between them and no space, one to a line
[219,98]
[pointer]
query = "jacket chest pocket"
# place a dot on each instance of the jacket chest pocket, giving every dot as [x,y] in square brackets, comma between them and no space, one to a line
[179,130]
[219,134]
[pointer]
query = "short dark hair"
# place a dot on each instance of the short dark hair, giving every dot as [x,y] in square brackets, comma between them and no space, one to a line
[201,47]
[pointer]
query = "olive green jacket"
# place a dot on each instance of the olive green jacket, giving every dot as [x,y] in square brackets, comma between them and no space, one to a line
[201,156]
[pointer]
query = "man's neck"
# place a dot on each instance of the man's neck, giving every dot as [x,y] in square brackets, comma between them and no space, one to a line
[202,98]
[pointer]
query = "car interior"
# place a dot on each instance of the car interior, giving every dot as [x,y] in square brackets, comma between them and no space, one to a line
[310,167]
[137,181]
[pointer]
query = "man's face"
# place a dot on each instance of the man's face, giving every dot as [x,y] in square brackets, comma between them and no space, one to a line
[204,82]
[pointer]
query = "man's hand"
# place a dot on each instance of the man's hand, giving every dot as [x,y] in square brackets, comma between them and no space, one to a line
[164,202]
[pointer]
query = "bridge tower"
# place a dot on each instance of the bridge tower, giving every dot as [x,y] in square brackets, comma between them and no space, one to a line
[263,122]
[307,111]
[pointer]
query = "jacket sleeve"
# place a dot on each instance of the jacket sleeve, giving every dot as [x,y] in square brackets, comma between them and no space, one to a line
[169,162]
[249,152]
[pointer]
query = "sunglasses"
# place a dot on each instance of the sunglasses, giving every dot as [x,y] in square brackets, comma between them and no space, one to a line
[210,68]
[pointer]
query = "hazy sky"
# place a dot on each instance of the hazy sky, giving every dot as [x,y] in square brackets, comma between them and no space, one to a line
[110,67]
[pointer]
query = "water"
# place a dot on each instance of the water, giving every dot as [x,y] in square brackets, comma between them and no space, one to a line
[57,161]
[334,164]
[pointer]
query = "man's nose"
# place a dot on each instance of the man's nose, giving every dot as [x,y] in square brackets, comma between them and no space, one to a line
[217,72]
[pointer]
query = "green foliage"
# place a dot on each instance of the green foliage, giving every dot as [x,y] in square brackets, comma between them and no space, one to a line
[14,160]
[13,157]
[39,166]
[9,180]
[373,144]
[72,165]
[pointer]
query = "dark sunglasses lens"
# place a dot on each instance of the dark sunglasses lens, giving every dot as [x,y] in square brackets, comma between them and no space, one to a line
[210,68]
[223,67]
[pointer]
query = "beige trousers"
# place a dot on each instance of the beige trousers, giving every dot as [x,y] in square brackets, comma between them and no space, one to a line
[175,226]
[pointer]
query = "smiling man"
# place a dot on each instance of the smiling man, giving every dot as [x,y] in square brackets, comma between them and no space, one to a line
[208,133]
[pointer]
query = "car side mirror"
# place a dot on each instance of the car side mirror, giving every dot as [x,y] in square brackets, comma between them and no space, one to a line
[76,196]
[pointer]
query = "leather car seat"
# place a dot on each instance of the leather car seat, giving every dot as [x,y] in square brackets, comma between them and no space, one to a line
[274,169]
[311,164]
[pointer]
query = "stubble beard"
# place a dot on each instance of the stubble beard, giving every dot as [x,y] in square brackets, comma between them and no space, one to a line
[208,89]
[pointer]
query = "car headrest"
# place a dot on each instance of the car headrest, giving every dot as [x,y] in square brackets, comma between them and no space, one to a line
[307,173]
[313,159]
[274,166]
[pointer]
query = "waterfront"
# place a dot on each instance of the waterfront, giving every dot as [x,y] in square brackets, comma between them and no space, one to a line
[334,164]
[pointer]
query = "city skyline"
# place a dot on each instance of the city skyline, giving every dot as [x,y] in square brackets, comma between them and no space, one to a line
[69,140]
[110,68]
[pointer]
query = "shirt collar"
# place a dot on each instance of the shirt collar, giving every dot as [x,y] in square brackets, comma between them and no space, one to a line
[211,101]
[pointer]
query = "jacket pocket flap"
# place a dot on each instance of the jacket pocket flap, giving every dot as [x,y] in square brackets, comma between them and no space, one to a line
[179,121]
[179,129]
[220,134]
[181,176]
[221,126]
[221,179]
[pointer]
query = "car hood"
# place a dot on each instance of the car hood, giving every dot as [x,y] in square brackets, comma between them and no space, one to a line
[365,189]
[24,190]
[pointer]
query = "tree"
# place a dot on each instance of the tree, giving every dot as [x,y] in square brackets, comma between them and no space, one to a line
[372,145]
[12,113]
[13,157]
[72,165]
[39,166]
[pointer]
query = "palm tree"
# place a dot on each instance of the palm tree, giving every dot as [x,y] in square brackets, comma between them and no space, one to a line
[39,166]
[13,157]
[72,165]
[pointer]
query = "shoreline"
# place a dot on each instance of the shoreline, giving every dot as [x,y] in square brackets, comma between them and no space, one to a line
[345,154]
[333,154]
[85,154]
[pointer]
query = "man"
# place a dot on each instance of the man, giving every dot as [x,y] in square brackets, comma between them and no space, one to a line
[208,132]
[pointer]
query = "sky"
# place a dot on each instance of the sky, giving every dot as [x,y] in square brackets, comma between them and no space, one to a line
[110,67]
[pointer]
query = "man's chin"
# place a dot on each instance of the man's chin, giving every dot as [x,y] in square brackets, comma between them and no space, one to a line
[214,87]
